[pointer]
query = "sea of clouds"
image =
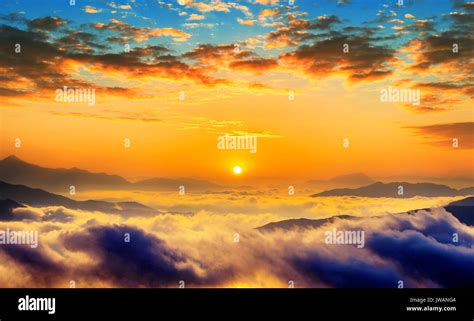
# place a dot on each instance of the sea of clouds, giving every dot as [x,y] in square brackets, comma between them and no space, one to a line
[210,245]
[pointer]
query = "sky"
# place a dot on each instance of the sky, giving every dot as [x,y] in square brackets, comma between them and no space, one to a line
[170,78]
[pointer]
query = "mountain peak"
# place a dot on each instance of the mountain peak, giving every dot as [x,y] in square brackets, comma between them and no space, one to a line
[12,159]
[379,189]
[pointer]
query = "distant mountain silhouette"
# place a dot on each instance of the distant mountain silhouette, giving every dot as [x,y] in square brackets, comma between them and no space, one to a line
[16,171]
[463,210]
[301,223]
[391,190]
[40,198]
[349,180]
[6,209]
[466,191]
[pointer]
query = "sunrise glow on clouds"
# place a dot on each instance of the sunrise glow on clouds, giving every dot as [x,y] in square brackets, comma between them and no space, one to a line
[264,101]
[222,55]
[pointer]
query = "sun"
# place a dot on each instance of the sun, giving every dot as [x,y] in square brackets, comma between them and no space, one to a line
[237,170]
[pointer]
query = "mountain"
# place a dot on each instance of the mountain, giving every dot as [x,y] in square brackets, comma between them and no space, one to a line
[6,209]
[453,181]
[40,198]
[16,171]
[467,191]
[349,180]
[391,190]
[301,223]
[463,210]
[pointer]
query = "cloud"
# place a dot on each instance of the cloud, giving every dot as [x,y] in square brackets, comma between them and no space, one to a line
[364,61]
[80,41]
[34,64]
[209,6]
[246,22]
[448,86]
[199,248]
[442,135]
[265,13]
[34,263]
[210,54]
[194,16]
[254,65]
[122,6]
[144,261]
[465,5]
[449,49]
[198,25]
[415,248]
[417,255]
[324,22]
[33,70]
[141,34]
[111,117]
[46,23]
[357,273]
[295,31]
[265,2]
[226,56]
[91,9]
[342,2]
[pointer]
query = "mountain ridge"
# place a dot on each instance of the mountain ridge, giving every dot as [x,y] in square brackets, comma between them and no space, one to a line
[17,171]
[40,198]
[379,189]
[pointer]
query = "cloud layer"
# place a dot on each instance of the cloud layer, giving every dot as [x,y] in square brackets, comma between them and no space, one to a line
[208,249]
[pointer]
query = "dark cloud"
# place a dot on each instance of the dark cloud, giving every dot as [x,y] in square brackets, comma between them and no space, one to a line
[440,228]
[46,23]
[364,61]
[443,134]
[35,61]
[422,258]
[352,273]
[295,31]
[80,40]
[208,52]
[254,65]
[40,61]
[438,49]
[118,39]
[421,25]
[144,261]
[464,5]
[415,247]
[34,262]
[324,22]
[467,88]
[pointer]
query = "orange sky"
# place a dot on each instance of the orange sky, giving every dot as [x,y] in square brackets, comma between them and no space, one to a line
[296,139]
[244,92]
